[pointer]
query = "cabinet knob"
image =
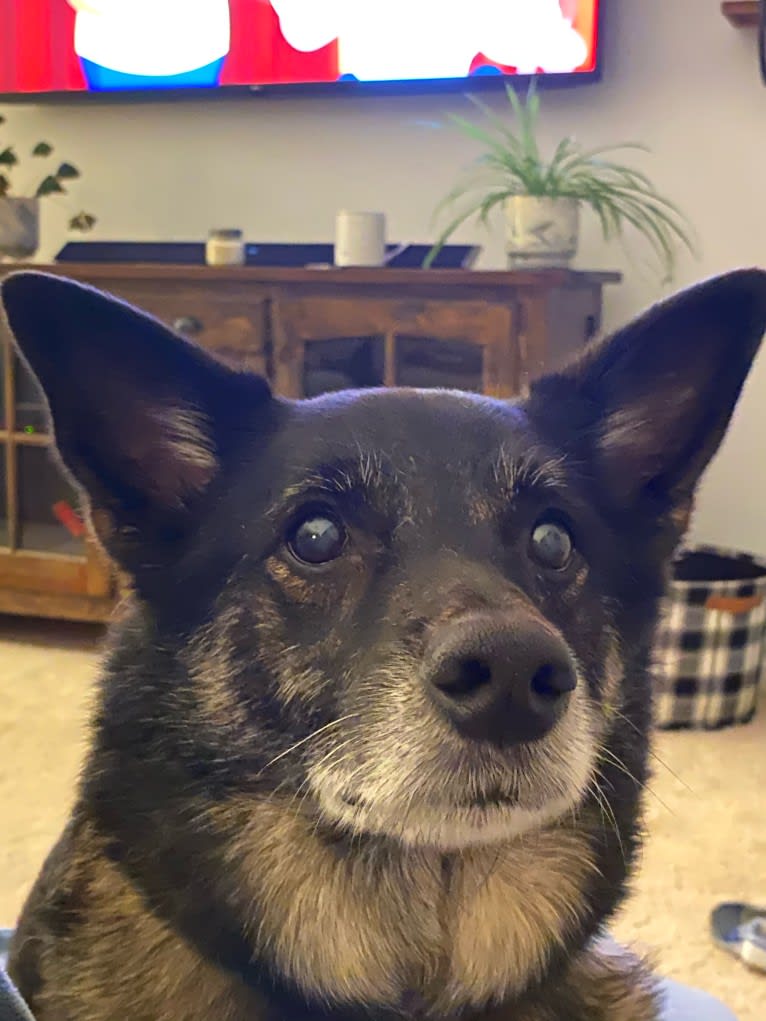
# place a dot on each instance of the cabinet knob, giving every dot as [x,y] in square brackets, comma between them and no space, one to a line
[188,325]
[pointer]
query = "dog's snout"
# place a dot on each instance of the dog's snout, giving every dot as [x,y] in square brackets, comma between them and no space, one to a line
[507,682]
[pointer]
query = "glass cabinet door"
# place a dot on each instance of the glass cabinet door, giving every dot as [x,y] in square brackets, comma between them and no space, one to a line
[49,565]
[49,519]
[323,344]
[430,362]
[343,363]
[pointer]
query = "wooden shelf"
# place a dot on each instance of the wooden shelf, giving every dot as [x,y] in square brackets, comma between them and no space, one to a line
[107,274]
[26,439]
[742,13]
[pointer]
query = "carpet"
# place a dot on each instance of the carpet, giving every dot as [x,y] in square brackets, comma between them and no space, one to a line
[706,809]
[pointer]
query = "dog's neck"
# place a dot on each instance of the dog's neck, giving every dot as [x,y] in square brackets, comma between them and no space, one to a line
[411,929]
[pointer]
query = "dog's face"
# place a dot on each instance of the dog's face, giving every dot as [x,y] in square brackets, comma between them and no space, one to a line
[416,613]
[417,589]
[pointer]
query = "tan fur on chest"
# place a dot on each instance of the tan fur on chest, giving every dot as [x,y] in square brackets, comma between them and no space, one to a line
[126,962]
[373,925]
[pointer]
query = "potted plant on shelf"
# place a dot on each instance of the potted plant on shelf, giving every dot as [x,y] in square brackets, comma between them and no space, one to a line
[542,196]
[20,213]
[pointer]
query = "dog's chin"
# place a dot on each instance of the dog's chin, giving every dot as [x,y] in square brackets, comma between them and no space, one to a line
[448,794]
[451,827]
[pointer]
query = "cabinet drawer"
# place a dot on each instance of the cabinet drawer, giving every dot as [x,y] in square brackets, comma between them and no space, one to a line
[229,320]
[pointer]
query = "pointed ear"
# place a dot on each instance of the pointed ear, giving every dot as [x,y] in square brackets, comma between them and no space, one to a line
[647,409]
[140,417]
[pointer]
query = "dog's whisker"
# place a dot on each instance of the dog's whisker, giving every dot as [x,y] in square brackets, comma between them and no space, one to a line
[304,790]
[326,762]
[612,758]
[607,813]
[301,794]
[654,754]
[321,814]
[305,740]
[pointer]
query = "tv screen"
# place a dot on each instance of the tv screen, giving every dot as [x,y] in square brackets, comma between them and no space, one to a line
[143,46]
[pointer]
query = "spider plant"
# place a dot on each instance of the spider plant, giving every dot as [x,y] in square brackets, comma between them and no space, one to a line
[513,164]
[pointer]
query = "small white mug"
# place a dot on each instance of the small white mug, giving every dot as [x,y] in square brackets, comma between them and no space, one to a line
[360,239]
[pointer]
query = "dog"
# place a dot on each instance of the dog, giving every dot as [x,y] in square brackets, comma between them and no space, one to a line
[373,724]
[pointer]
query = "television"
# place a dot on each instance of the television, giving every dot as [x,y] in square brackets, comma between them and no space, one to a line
[68,48]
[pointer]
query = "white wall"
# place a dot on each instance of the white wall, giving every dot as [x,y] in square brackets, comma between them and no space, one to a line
[678,77]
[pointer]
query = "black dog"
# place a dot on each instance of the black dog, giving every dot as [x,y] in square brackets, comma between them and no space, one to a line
[372,733]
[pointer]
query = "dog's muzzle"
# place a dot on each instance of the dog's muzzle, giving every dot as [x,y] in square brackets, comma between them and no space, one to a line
[505,680]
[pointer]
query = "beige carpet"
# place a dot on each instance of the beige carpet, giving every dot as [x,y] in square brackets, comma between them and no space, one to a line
[707,829]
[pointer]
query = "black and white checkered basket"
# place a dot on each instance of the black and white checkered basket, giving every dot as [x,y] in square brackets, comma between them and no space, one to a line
[709,647]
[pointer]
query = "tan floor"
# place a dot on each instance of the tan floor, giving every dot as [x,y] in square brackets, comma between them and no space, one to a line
[706,843]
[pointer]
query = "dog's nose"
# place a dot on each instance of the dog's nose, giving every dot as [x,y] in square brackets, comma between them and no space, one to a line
[507,682]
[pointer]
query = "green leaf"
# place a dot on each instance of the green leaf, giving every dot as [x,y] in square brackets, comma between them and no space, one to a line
[82,222]
[8,157]
[67,172]
[42,149]
[480,134]
[489,204]
[49,186]
[504,131]
[447,233]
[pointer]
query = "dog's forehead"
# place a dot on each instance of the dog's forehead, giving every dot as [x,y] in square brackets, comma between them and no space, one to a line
[438,448]
[427,425]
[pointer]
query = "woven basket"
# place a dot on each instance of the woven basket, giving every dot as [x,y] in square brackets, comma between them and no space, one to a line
[709,646]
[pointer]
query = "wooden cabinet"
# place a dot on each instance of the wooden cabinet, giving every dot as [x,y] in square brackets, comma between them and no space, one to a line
[332,343]
[231,320]
[308,331]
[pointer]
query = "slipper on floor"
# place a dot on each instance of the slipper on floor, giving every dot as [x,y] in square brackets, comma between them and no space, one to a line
[740,929]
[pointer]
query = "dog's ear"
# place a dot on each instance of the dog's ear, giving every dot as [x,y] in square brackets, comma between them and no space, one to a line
[646,409]
[139,415]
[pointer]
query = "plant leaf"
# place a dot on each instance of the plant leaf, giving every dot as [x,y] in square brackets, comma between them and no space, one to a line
[42,149]
[67,172]
[8,157]
[82,222]
[498,124]
[480,134]
[450,229]
[489,204]
[49,186]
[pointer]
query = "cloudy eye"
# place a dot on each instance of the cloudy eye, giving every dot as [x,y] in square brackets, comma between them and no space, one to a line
[317,538]
[551,545]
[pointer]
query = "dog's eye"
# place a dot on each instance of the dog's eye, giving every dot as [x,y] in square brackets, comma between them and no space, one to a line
[317,539]
[551,545]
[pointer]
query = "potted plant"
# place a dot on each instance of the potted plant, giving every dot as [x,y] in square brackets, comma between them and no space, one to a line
[542,196]
[20,213]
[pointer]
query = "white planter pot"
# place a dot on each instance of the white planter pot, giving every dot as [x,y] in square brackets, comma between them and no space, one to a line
[541,232]
[19,227]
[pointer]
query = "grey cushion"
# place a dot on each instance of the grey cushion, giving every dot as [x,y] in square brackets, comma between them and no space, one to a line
[12,1007]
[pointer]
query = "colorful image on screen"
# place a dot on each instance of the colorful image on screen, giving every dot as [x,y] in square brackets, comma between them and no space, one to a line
[54,46]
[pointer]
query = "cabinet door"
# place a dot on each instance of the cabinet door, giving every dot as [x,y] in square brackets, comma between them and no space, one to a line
[554,325]
[49,565]
[230,320]
[323,344]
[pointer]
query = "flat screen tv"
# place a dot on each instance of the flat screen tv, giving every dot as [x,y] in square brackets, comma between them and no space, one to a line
[149,47]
